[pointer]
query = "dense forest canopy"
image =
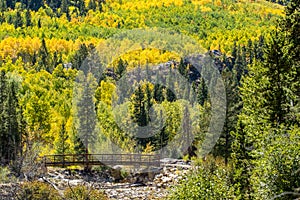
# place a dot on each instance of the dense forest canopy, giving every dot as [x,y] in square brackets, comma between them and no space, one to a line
[41,39]
[46,101]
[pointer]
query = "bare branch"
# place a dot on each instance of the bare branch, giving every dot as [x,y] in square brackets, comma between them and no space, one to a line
[286,193]
[72,190]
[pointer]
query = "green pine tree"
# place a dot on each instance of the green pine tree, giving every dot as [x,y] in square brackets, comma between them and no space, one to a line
[43,57]
[28,18]
[139,107]
[86,115]
[35,4]
[62,145]
[170,96]
[10,128]
[81,6]
[233,108]
[65,8]
[92,5]
[3,6]
[100,5]
[121,68]
[18,20]
[80,55]
[202,93]
[267,120]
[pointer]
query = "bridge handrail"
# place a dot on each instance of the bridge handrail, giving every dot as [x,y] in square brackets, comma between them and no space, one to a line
[92,158]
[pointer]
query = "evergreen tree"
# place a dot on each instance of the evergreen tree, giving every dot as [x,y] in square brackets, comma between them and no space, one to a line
[148,72]
[240,65]
[234,52]
[54,62]
[121,68]
[139,113]
[24,3]
[65,8]
[39,24]
[158,91]
[81,6]
[10,20]
[28,18]
[163,136]
[280,76]
[258,49]
[170,96]
[14,133]
[79,146]
[100,5]
[250,51]
[139,107]
[34,59]
[11,4]
[233,108]
[226,62]
[290,25]
[186,92]
[2,18]
[193,93]
[35,4]
[3,6]
[266,119]
[43,57]
[202,94]
[149,97]
[10,128]
[182,68]
[18,20]
[187,131]
[92,5]
[62,145]
[53,4]
[4,118]
[80,55]
[250,129]
[86,113]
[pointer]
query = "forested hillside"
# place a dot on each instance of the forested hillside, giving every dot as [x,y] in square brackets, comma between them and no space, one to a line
[253,44]
[40,38]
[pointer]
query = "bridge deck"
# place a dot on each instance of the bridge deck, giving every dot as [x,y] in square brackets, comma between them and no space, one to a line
[101,159]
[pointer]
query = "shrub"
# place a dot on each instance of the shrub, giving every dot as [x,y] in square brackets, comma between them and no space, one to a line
[210,180]
[4,175]
[36,191]
[84,193]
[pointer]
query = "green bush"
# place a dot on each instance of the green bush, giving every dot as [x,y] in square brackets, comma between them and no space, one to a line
[211,179]
[84,193]
[37,191]
[4,175]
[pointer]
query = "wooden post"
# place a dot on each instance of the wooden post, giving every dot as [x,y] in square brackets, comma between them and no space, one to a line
[63,161]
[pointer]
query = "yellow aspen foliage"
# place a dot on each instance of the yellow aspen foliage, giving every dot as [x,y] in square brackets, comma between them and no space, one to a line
[201,2]
[205,9]
[147,56]
[143,5]
[149,149]
[106,92]
[70,132]
[60,45]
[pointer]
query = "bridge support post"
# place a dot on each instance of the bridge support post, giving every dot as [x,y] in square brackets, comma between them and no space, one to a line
[44,165]
[87,167]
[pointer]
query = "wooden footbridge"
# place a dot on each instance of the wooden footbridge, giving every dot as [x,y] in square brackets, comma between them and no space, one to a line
[101,159]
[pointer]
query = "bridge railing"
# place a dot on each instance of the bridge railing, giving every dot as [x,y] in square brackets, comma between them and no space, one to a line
[101,159]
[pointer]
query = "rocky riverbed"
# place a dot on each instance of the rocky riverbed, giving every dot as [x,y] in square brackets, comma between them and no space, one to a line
[145,184]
